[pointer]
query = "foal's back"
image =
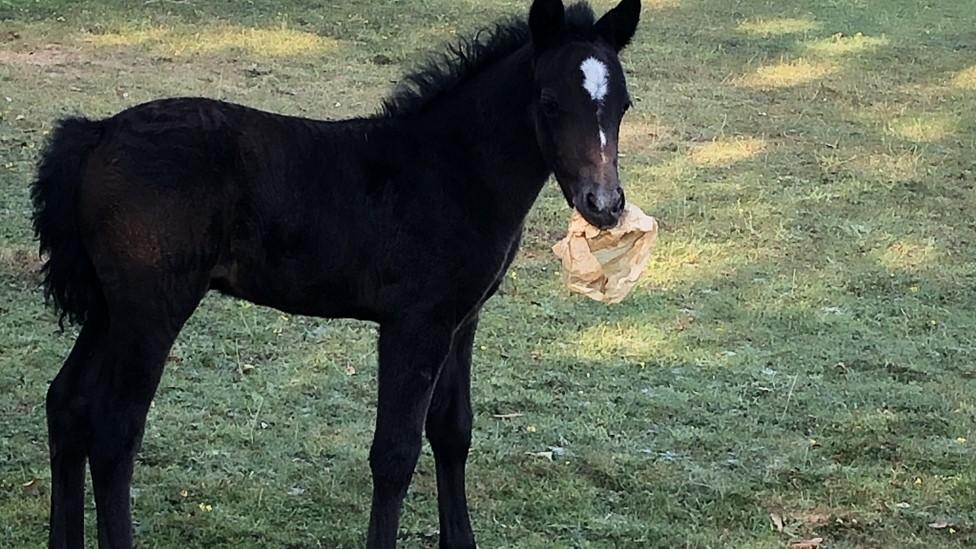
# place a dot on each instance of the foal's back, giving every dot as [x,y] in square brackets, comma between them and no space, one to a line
[303,215]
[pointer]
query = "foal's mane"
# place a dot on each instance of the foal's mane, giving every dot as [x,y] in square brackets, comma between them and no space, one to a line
[443,72]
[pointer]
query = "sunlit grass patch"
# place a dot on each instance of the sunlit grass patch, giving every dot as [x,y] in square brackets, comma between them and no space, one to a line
[673,262]
[926,128]
[682,262]
[787,74]
[279,42]
[726,151]
[638,135]
[965,79]
[651,184]
[658,4]
[777,26]
[602,5]
[622,340]
[887,166]
[676,169]
[910,255]
[840,44]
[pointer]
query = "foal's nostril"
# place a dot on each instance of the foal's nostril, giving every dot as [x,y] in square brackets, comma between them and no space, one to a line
[618,206]
[591,202]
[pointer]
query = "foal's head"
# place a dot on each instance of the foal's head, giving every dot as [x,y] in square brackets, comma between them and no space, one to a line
[582,98]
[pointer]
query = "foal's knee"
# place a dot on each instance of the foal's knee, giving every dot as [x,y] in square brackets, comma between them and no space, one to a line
[392,465]
[450,435]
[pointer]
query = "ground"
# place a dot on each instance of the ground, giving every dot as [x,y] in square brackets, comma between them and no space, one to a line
[797,363]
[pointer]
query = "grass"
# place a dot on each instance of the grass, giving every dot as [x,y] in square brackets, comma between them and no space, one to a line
[802,345]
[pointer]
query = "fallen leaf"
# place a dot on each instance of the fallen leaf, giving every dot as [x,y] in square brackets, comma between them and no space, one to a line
[811,543]
[939,524]
[508,416]
[32,488]
[547,455]
[777,521]
[296,491]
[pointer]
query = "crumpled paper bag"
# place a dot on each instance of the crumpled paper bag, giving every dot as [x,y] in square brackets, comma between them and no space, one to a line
[605,264]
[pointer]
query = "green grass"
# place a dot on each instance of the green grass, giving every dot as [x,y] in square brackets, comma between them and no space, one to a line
[802,345]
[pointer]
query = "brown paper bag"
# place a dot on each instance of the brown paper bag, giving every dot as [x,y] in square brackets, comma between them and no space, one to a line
[605,264]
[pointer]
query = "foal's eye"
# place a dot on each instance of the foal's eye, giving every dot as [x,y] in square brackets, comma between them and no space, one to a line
[549,105]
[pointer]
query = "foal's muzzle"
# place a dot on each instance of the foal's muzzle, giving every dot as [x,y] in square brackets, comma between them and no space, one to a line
[600,204]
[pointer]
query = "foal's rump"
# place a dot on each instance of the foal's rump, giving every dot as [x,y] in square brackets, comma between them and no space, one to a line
[161,188]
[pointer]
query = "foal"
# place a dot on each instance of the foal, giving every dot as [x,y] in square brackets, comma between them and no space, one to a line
[408,218]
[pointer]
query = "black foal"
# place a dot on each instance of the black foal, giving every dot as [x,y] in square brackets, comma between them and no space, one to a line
[408,218]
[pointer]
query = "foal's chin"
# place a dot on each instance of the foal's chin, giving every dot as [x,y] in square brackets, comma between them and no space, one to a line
[601,221]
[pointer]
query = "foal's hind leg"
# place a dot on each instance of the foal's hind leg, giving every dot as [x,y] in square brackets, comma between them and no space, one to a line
[449,433]
[67,427]
[138,339]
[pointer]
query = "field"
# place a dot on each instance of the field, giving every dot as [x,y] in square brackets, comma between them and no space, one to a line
[799,361]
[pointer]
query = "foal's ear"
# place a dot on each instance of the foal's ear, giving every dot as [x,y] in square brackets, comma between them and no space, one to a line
[546,18]
[618,25]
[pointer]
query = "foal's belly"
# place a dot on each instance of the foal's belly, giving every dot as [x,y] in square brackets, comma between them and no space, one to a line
[293,291]
[362,285]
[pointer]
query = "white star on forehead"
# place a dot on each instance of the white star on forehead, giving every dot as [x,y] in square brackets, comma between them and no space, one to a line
[594,78]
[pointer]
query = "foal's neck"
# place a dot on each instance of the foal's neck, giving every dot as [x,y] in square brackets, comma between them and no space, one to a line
[489,119]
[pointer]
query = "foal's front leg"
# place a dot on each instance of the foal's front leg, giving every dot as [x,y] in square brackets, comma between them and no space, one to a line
[411,353]
[449,432]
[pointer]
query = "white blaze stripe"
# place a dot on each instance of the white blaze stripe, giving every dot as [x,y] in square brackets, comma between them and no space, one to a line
[594,78]
[595,83]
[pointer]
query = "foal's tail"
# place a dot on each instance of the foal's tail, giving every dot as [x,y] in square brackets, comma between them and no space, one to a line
[69,277]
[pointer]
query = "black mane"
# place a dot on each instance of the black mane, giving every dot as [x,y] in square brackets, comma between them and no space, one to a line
[441,73]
